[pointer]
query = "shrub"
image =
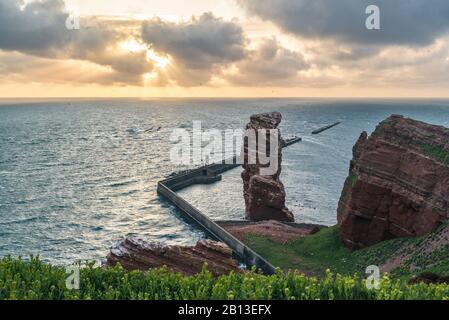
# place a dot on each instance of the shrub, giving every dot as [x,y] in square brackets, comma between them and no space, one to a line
[34,279]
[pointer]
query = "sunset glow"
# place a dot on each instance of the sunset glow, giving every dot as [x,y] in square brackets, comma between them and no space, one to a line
[220,48]
[160,62]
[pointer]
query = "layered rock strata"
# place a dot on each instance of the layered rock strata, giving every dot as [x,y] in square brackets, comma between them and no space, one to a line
[398,183]
[264,193]
[136,254]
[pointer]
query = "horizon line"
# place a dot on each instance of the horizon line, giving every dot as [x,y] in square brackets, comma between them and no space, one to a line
[227,97]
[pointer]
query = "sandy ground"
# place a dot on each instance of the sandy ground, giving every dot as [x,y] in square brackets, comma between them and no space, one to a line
[271,229]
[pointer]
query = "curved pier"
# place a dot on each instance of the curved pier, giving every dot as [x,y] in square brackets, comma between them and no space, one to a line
[210,174]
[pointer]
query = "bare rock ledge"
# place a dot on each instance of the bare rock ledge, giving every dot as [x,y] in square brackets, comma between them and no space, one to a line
[136,254]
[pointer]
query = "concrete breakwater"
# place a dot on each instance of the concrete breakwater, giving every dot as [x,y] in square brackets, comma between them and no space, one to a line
[243,252]
[326,128]
[205,175]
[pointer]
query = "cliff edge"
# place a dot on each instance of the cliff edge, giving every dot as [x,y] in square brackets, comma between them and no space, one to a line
[398,183]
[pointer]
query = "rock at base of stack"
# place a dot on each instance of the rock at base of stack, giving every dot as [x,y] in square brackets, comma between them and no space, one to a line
[136,254]
[264,194]
[398,184]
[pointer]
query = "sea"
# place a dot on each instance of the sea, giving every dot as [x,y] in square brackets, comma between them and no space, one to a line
[77,175]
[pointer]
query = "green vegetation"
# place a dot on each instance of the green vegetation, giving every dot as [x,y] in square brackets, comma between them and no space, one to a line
[436,262]
[435,152]
[35,280]
[352,179]
[314,254]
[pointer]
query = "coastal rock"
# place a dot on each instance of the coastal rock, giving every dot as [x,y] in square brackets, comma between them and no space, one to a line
[267,200]
[264,194]
[136,254]
[398,183]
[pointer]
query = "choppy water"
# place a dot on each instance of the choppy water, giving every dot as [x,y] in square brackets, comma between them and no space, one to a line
[77,175]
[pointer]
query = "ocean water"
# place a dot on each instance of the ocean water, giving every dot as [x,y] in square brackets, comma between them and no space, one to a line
[75,176]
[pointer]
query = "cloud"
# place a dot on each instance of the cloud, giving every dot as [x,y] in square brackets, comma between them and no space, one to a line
[410,50]
[22,68]
[37,26]
[269,64]
[329,47]
[199,47]
[403,22]
[198,43]
[39,29]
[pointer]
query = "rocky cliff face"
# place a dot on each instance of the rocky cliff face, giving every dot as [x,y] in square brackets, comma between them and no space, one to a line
[264,194]
[398,183]
[136,254]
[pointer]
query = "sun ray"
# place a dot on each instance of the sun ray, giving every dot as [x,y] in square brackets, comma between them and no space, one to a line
[133,46]
[159,61]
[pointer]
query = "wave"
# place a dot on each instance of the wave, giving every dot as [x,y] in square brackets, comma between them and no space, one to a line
[18,221]
[131,131]
[127,193]
[122,183]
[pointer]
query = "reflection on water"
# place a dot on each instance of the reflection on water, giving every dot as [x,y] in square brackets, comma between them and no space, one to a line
[74,177]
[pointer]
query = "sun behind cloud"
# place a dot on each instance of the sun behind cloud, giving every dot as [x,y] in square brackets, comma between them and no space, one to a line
[132,45]
[242,48]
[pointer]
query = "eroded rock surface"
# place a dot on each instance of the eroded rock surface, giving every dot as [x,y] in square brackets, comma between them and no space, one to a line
[429,278]
[264,194]
[271,229]
[398,183]
[136,254]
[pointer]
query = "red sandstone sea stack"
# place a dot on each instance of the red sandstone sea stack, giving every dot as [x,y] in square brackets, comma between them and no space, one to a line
[398,183]
[264,194]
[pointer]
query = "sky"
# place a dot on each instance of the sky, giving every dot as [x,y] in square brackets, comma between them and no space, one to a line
[223,48]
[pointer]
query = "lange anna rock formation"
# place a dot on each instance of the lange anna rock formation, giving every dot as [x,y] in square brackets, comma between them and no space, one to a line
[398,183]
[264,194]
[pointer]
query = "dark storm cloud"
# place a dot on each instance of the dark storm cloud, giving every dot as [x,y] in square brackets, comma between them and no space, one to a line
[199,43]
[403,22]
[26,30]
[39,28]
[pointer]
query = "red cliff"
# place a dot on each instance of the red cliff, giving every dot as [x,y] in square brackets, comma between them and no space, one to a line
[398,183]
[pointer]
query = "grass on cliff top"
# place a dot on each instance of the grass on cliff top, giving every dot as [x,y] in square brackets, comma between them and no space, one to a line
[438,153]
[323,250]
[435,152]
